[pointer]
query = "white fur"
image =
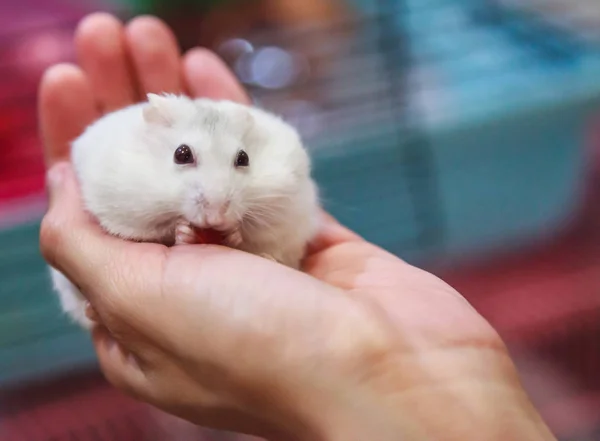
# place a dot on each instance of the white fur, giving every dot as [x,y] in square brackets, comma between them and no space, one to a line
[131,184]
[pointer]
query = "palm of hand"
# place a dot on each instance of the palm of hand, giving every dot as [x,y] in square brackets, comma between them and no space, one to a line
[429,312]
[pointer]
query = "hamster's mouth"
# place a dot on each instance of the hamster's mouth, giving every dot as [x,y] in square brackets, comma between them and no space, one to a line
[210,236]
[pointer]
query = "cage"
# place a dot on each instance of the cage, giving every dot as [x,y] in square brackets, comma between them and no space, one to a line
[442,130]
[448,109]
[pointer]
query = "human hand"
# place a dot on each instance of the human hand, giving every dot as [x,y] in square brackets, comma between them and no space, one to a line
[360,346]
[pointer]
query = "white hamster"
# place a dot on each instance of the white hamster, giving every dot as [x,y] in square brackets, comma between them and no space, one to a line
[156,170]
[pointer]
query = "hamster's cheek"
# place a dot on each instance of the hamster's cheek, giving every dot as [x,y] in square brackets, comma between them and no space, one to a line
[182,190]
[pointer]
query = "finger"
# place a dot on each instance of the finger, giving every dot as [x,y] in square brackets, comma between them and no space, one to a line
[102,52]
[331,233]
[66,223]
[206,75]
[66,107]
[155,55]
[121,369]
[102,266]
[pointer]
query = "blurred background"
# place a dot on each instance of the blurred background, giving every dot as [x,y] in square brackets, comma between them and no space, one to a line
[462,135]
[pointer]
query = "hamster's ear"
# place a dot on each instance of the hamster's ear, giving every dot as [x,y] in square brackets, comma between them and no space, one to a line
[157,111]
[242,120]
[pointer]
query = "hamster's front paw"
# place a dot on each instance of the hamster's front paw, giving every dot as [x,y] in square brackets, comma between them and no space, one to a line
[234,238]
[185,235]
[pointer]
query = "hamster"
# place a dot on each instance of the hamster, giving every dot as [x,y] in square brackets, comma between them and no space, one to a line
[164,169]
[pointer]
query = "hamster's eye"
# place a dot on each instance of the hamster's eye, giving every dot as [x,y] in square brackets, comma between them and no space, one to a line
[242,159]
[183,155]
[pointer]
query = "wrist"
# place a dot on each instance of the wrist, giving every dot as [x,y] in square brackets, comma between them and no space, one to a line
[459,419]
[486,403]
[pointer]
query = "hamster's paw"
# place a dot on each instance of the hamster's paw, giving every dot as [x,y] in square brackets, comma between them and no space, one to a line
[72,301]
[234,238]
[185,235]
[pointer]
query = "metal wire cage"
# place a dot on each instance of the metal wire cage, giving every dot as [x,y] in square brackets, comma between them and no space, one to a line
[446,110]
[368,118]
[438,128]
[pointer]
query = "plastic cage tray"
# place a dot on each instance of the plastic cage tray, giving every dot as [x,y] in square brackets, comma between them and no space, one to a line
[433,131]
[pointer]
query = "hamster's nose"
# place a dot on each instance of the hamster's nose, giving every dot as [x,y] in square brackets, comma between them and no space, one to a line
[213,213]
[215,220]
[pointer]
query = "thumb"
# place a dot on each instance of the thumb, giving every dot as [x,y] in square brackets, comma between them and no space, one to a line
[63,193]
[330,233]
[54,180]
[63,216]
[70,240]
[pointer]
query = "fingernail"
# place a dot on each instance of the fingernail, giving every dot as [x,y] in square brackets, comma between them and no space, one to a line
[56,174]
[91,313]
[132,360]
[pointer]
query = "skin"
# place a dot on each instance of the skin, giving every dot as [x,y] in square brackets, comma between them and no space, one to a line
[359,346]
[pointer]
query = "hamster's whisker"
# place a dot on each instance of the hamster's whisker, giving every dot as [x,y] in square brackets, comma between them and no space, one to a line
[270,201]
[260,215]
[255,221]
[252,222]
[279,195]
[265,212]
[270,204]
[271,212]
[276,210]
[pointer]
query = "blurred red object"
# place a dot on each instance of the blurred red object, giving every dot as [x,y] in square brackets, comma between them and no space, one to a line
[33,53]
[35,34]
